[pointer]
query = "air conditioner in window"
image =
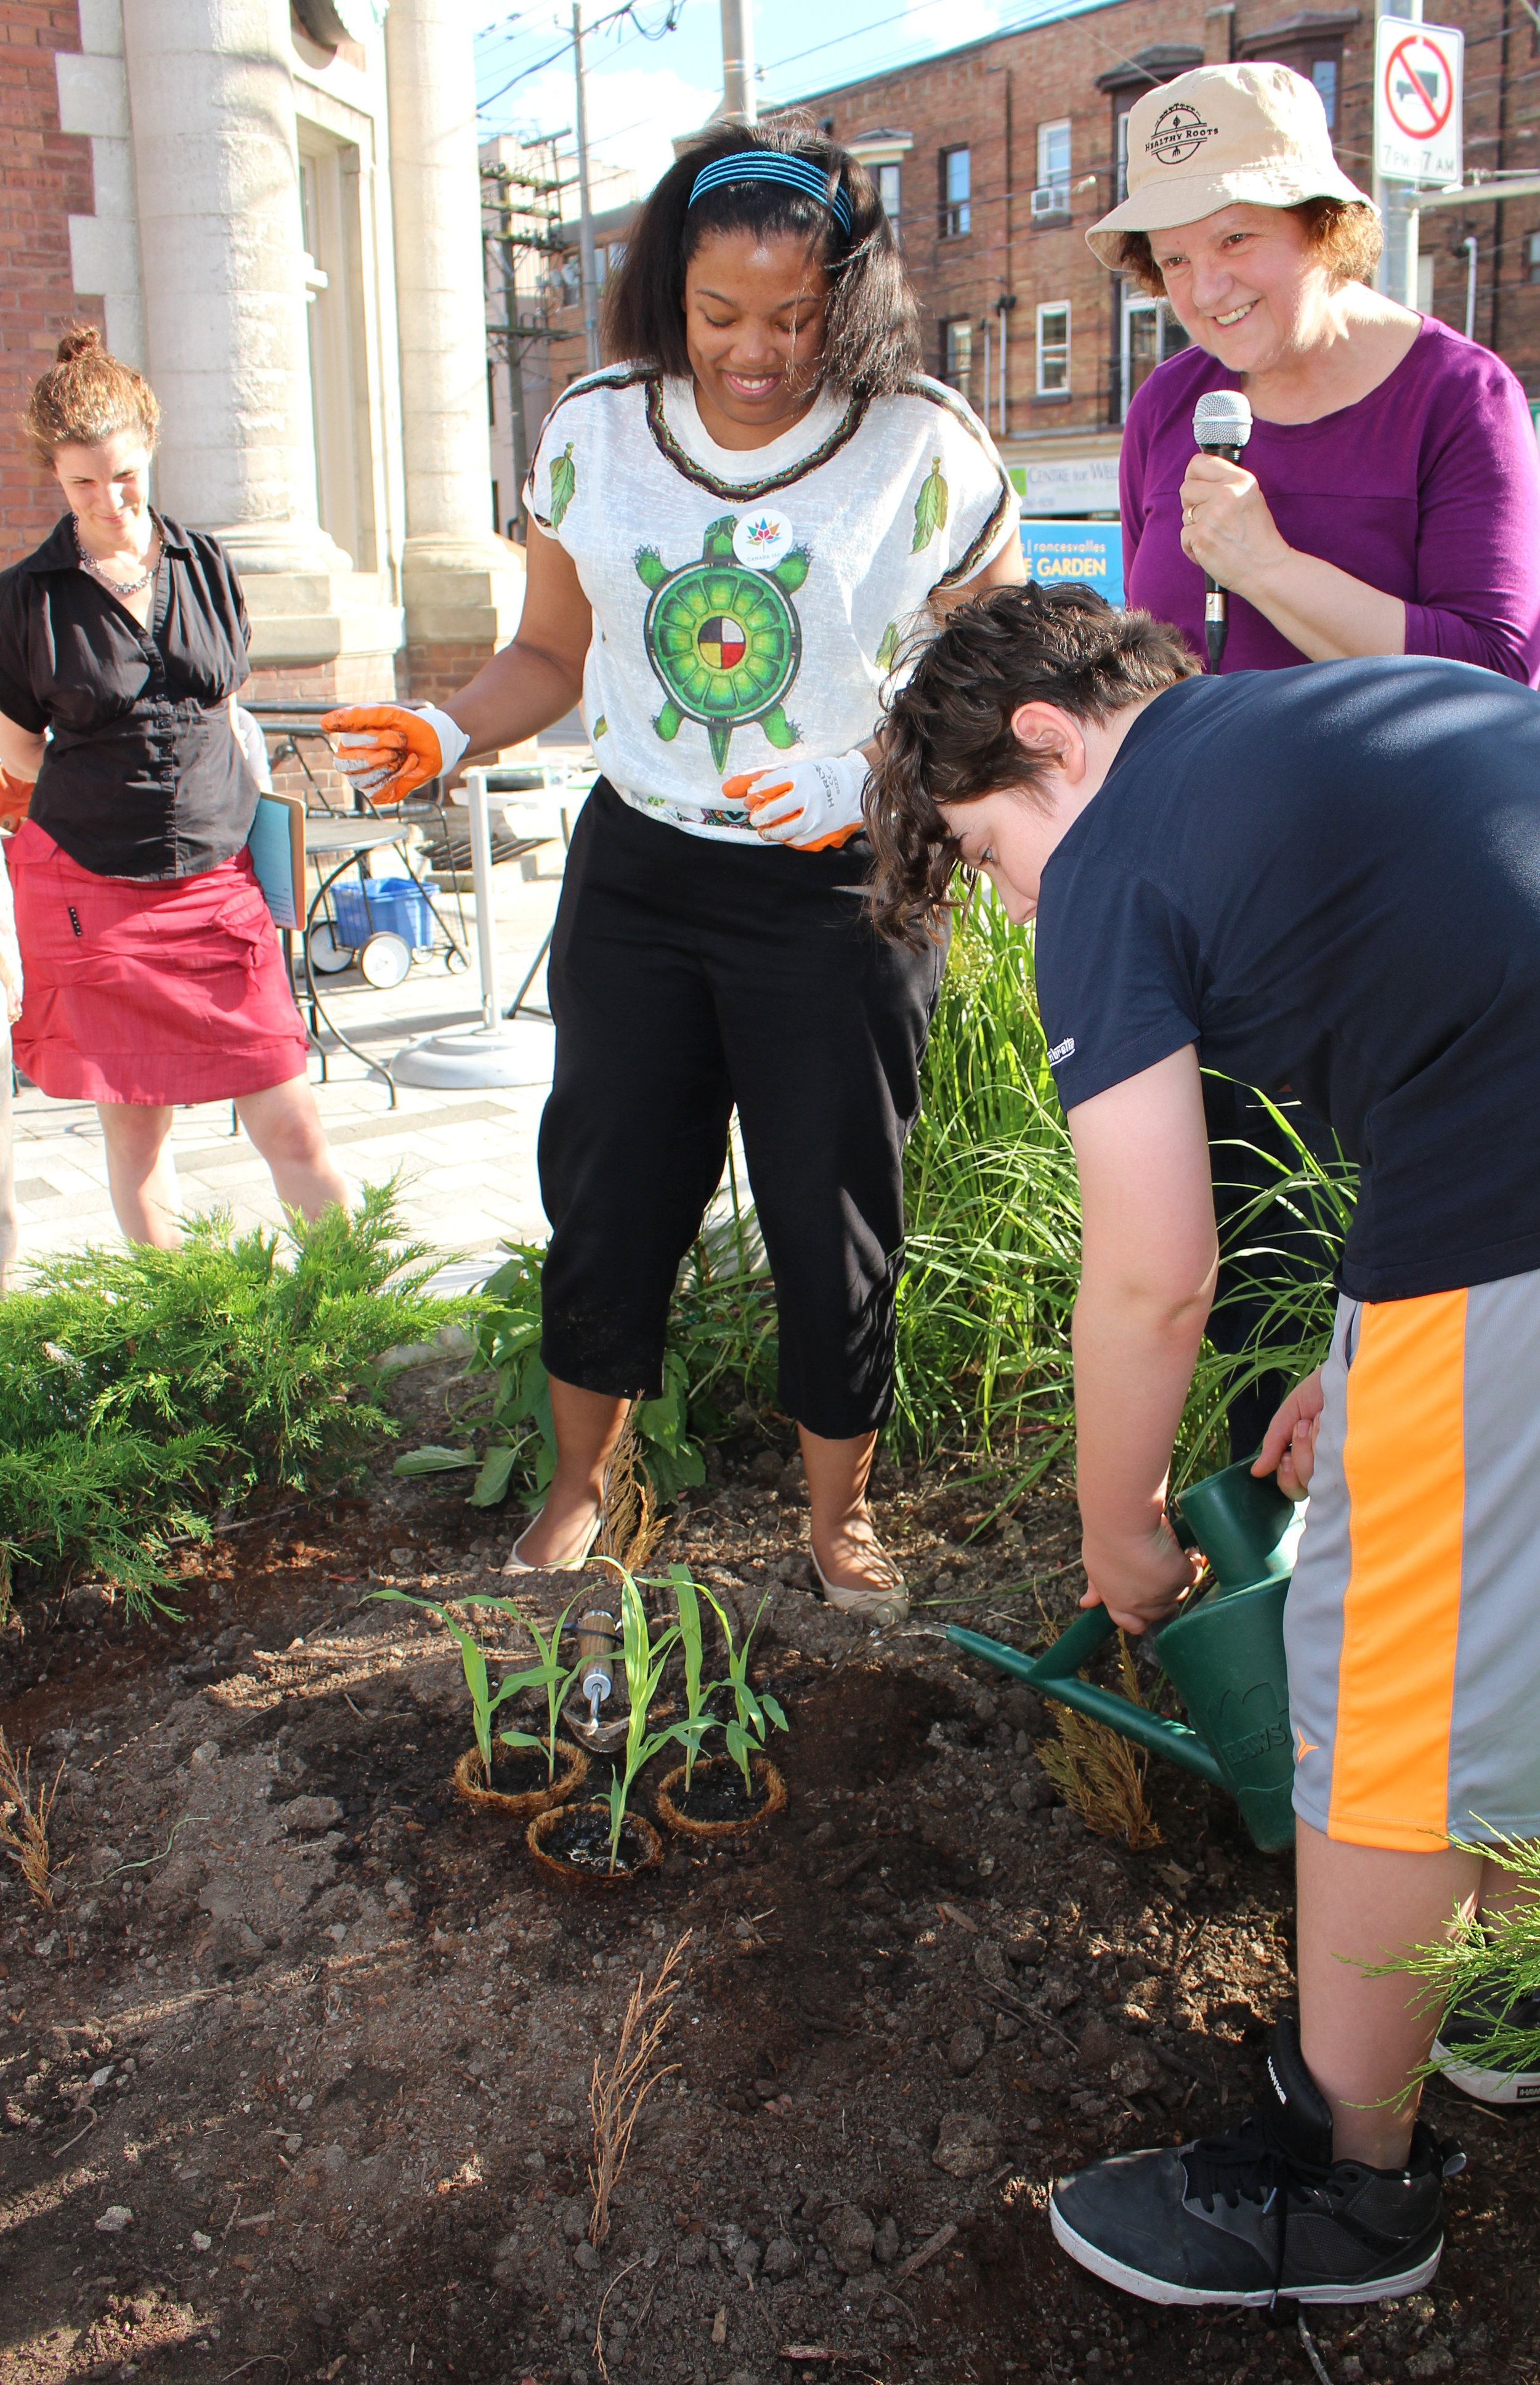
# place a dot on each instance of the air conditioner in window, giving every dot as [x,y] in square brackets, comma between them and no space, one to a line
[1050,203]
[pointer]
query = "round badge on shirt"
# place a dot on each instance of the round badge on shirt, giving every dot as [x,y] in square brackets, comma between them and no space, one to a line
[762,538]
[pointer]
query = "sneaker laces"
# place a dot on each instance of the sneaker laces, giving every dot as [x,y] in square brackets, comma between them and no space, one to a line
[1245,2165]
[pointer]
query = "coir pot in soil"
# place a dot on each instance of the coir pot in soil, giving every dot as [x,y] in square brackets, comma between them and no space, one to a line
[716,1804]
[520,1784]
[571,1844]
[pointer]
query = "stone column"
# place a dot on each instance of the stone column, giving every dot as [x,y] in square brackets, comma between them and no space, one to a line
[463,584]
[216,172]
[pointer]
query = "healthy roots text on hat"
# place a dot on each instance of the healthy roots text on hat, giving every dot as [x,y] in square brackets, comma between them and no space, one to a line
[1218,135]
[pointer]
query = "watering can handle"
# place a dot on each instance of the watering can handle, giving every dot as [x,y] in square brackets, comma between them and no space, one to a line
[1056,1675]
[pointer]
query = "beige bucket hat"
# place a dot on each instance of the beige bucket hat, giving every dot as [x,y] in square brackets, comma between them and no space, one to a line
[1219,134]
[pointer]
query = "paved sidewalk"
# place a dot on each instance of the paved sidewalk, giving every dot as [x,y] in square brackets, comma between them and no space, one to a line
[467,1160]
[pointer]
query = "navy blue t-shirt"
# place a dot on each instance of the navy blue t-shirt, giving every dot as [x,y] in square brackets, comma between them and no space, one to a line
[1328,879]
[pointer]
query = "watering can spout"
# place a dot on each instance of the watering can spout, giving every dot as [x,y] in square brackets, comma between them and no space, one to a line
[1223,1652]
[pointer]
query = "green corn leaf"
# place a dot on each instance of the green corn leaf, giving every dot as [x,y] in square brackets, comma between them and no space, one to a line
[773,1708]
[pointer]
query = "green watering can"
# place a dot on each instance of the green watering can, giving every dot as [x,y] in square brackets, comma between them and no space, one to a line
[1223,1652]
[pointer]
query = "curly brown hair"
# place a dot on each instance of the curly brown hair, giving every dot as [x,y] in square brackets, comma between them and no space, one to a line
[85,395]
[947,737]
[1347,234]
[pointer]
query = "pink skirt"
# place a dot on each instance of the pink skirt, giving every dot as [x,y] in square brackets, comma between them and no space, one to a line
[149,990]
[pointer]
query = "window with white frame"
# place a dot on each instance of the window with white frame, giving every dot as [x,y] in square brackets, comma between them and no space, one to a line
[1052,349]
[1150,333]
[956,364]
[1053,155]
[890,189]
[957,192]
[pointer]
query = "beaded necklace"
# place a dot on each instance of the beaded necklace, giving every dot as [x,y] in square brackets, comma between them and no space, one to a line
[120,587]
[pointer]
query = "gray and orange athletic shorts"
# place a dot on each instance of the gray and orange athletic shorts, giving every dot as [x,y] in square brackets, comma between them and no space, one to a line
[1412,1623]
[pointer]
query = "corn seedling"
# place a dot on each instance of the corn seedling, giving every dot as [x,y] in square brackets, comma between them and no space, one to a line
[646,1659]
[1099,1774]
[1488,1962]
[24,1822]
[616,2095]
[549,1675]
[698,1720]
[751,1714]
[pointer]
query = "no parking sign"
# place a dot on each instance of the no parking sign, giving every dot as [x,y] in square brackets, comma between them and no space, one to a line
[1419,72]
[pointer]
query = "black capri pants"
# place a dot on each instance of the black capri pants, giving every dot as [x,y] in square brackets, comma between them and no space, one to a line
[686,976]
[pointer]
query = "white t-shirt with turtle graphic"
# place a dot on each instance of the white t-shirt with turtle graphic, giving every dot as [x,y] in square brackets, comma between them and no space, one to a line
[750,603]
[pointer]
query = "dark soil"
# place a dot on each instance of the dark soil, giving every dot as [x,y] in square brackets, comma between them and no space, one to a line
[717,1793]
[293,2078]
[517,1770]
[580,1839]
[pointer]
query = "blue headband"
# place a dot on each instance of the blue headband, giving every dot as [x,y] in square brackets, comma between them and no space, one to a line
[774,166]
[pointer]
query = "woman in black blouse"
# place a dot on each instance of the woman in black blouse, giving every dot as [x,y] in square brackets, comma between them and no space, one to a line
[152,976]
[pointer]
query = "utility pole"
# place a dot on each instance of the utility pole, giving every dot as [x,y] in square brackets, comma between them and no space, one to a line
[585,210]
[739,104]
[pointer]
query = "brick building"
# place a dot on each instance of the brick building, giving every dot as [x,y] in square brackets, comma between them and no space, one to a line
[272,207]
[994,157]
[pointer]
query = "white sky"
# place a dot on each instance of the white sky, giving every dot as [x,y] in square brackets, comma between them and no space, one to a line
[642,91]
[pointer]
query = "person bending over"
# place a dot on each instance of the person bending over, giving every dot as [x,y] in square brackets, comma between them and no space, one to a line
[1241,873]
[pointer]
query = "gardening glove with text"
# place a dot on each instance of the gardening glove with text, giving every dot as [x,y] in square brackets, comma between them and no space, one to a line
[387,751]
[807,804]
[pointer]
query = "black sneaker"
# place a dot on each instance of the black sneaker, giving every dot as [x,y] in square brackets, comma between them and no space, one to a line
[1468,2025]
[1262,2211]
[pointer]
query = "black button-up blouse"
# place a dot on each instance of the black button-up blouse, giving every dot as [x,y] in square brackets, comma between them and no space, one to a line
[141,777]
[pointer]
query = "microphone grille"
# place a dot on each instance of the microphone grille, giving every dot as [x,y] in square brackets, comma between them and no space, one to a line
[1223,419]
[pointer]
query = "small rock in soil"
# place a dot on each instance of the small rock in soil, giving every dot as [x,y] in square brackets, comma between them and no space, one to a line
[115,2218]
[989,1961]
[849,2235]
[966,2144]
[782,2258]
[965,2050]
[884,2244]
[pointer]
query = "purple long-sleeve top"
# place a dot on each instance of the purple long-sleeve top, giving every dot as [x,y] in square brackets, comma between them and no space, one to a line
[1427,489]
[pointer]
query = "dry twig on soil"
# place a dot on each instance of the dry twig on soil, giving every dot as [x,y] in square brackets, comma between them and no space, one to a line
[24,1821]
[630,1529]
[615,2096]
[1099,1774]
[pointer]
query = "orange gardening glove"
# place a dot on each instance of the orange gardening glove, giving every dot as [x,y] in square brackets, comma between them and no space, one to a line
[387,752]
[808,806]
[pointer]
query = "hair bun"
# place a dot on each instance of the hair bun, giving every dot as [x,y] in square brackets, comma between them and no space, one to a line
[79,340]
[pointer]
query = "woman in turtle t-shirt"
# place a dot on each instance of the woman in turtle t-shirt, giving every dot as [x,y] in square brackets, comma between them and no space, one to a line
[732,532]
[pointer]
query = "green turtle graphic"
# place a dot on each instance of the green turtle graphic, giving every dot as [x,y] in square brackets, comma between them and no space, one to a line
[723,640]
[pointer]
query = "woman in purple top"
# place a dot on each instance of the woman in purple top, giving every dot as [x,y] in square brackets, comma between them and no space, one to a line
[1390,498]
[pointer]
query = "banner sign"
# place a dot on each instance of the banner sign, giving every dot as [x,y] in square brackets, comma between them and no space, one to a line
[1418,74]
[1073,484]
[1088,553]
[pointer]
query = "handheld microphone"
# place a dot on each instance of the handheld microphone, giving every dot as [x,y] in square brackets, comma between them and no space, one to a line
[1221,425]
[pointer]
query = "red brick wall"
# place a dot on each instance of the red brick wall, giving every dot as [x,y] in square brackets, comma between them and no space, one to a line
[963,98]
[45,178]
[969,98]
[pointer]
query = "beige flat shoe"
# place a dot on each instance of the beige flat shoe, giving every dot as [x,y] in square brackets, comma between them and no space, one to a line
[878,1606]
[514,1563]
